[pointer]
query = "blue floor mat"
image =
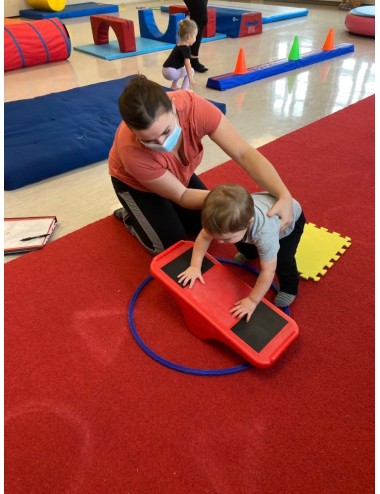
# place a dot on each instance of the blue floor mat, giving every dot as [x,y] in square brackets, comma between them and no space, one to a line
[59,132]
[79,10]
[111,51]
[270,13]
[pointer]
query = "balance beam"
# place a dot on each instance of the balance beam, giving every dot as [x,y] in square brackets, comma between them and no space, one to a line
[231,80]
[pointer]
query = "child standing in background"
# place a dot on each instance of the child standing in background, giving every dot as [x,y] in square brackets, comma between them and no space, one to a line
[178,63]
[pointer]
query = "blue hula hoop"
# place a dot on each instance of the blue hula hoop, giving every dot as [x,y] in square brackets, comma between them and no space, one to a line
[178,367]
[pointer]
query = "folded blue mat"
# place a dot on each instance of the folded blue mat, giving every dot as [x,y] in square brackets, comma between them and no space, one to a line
[59,132]
[79,10]
[270,13]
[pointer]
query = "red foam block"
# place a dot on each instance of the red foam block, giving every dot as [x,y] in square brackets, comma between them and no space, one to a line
[123,28]
[210,28]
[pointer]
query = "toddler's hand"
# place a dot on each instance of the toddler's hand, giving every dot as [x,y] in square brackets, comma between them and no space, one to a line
[243,307]
[191,274]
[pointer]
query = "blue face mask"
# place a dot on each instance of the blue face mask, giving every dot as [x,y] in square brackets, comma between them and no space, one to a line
[169,142]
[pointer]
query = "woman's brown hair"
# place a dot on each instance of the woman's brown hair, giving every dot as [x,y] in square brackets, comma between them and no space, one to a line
[141,102]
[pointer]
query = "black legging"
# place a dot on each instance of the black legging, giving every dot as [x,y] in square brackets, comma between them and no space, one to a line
[198,13]
[286,270]
[157,222]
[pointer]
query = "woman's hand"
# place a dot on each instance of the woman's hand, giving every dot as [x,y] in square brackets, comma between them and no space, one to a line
[283,208]
[257,166]
[191,274]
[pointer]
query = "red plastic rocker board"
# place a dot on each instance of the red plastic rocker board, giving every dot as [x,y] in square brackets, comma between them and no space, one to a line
[206,307]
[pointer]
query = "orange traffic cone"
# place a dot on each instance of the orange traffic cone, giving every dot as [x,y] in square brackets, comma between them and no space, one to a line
[329,42]
[240,67]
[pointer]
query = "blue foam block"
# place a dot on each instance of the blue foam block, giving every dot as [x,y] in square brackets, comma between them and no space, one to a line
[270,13]
[79,10]
[228,81]
[149,29]
[234,23]
[59,132]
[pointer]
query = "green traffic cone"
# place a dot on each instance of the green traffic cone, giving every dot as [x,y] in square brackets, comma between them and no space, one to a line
[294,53]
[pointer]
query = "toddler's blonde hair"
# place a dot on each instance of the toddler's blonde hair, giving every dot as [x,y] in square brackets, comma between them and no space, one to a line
[186,27]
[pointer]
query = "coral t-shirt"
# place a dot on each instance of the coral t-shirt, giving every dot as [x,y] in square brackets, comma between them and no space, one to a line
[131,162]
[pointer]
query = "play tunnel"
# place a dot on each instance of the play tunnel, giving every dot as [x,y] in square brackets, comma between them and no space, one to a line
[35,43]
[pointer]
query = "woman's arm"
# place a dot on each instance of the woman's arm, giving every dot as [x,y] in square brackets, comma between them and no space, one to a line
[171,188]
[257,166]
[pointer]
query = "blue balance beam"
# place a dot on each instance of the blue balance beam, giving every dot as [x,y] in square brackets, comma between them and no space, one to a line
[231,80]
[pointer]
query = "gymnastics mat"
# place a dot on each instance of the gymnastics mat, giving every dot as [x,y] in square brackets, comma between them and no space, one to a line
[79,10]
[270,13]
[111,50]
[8,20]
[59,132]
[318,250]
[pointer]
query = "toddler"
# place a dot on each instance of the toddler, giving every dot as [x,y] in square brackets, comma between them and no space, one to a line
[231,215]
[177,65]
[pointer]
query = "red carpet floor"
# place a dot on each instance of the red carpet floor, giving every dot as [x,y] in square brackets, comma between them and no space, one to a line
[87,411]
